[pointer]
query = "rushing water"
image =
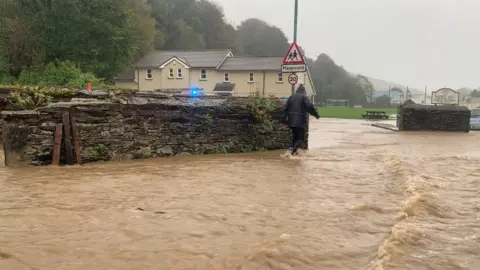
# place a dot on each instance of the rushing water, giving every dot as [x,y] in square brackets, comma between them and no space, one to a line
[361,198]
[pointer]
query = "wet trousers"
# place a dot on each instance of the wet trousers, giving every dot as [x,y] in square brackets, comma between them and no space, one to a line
[298,138]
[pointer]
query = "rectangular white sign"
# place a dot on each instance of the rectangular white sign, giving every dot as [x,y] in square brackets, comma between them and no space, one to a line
[445,96]
[293,68]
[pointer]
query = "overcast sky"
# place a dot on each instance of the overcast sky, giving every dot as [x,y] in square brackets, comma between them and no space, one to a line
[410,42]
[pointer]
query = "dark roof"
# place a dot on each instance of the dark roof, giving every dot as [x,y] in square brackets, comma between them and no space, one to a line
[252,64]
[126,76]
[224,87]
[196,58]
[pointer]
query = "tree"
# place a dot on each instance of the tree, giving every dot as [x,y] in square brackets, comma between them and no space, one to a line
[333,82]
[190,24]
[367,87]
[261,39]
[475,93]
[383,101]
[101,36]
[217,33]
[396,91]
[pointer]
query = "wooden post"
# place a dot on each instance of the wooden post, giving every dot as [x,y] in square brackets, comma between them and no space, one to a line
[57,144]
[67,139]
[76,141]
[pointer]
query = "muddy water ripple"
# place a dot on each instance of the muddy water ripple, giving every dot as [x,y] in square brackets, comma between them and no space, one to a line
[361,198]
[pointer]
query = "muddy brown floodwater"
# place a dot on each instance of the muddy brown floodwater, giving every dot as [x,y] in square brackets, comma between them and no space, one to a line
[361,198]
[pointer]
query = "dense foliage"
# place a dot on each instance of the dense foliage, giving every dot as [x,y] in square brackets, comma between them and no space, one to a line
[70,43]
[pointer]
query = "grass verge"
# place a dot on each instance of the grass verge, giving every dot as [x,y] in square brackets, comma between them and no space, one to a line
[350,113]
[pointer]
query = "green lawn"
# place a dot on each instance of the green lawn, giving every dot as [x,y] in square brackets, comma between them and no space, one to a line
[350,113]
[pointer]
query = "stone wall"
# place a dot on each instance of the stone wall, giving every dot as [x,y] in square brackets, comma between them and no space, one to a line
[413,116]
[7,102]
[142,127]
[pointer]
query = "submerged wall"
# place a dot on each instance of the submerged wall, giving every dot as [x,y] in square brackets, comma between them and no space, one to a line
[417,117]
[143,127]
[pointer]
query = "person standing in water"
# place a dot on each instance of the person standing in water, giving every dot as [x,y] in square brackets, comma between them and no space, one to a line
[296,110]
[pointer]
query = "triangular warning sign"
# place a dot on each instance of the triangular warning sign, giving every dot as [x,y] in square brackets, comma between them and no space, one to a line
[294,56]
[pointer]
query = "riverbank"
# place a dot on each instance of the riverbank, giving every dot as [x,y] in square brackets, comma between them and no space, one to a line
[350,113]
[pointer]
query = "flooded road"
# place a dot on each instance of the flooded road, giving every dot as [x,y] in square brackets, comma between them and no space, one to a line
[361,198]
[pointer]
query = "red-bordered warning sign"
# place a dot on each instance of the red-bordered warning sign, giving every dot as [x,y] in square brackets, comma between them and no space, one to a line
[294,56]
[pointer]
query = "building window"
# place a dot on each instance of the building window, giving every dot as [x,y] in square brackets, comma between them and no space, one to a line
[149,74]
[179,73]
[203,74]
[170,74]
[280,77]
[226,78]
[250,77]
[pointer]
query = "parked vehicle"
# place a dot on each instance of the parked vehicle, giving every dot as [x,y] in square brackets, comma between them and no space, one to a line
[475,119]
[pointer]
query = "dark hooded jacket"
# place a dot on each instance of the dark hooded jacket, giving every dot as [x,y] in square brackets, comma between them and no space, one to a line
[297,108]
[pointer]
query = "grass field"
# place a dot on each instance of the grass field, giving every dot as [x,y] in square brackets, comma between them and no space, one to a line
[350,113]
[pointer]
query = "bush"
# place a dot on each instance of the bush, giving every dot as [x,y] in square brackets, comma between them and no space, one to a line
[30,98]
[6,78]
[261,108]
[83,79]
[64,73]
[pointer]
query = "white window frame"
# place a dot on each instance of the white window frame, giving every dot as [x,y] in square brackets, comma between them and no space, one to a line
[280,77]
[179,73]
[203,74]
[170,73]
[149,75]
[251,77]
[226,77]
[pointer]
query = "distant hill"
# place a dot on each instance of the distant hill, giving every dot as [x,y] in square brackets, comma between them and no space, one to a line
[381,85]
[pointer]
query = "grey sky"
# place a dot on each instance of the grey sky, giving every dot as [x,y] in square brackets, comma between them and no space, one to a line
[411,42]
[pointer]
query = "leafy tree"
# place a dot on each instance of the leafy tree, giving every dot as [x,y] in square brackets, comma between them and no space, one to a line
[217,33]
[475,93]
[190,24]
[333,82]
[395,91]
[261,39]
[101,36]
[367,87]
[383,101]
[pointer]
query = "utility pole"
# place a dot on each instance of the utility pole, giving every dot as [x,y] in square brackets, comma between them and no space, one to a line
[390,96]
[425,102]
[295,20]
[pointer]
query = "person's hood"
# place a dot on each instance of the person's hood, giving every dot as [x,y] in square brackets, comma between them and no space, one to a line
[301,90]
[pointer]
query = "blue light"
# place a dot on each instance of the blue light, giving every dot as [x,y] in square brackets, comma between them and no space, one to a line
[195,91]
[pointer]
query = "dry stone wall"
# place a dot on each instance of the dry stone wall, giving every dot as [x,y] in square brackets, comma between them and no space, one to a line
[142,127]
[417,117]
